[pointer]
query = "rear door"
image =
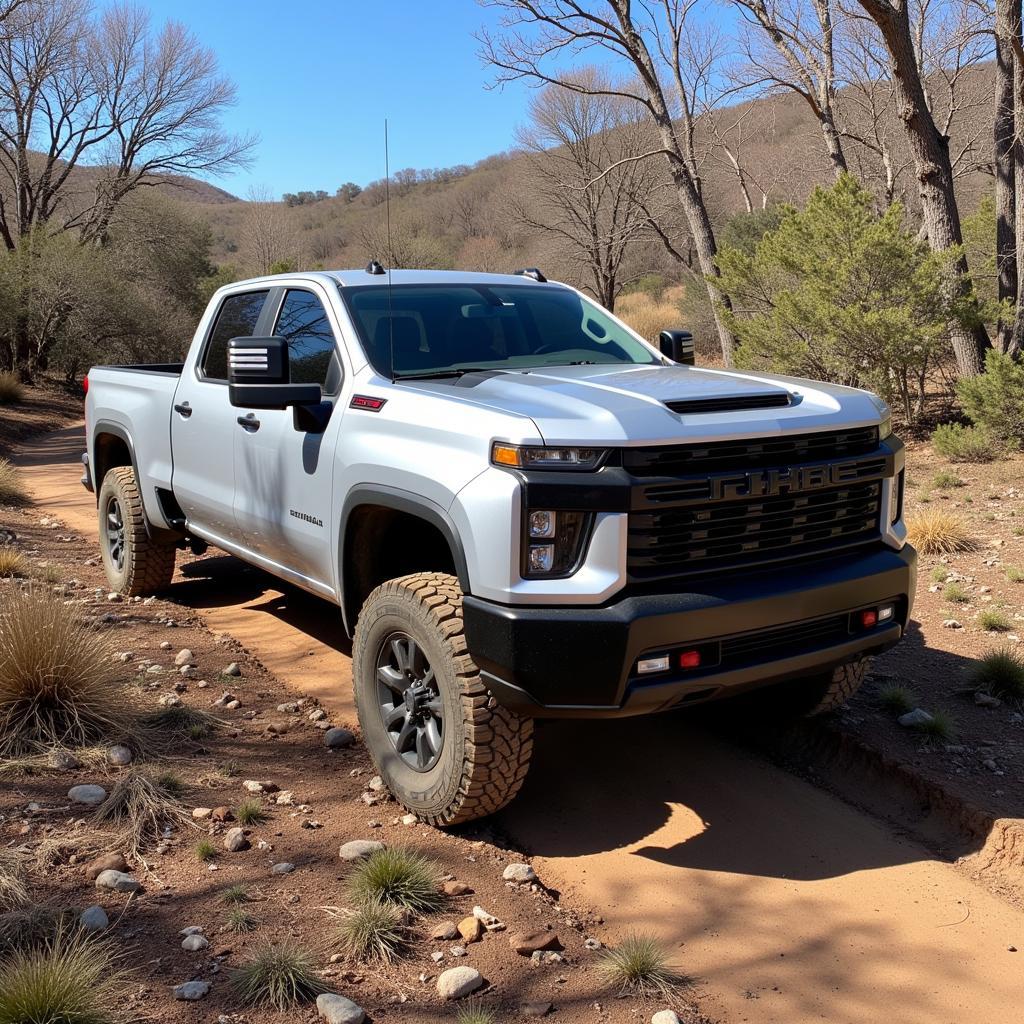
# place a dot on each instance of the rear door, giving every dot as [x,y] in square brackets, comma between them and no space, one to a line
[283,476]
[204,423]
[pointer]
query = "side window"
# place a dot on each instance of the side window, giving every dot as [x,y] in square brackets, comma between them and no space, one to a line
[237,318]
[312,357]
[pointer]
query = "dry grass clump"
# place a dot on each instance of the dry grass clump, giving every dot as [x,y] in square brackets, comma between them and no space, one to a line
[12,391]
[12,562]
[69,980]
[1000,673]
[281,976]
[13,886]
[173,723]
[251,812]
[646,315]
[373,932]
[33,928]
[640,965]
[937,532]
[396,877]
[141,805]
[12,490]
[58,685]
[240,920]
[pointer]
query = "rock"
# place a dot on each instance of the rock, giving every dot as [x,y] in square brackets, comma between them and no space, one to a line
[234,669]
[285,798]
[90,796]
[105,862]
[986,700]
[519,873]
[252,786]
[665,1017]
[190,991]
[184,657]
[458,951]
[194,943]
[317,715]
[457,982]
[359,849]
[233,705]
[224,699]
[221,814]
[311,823]
[489,921]
[113,597]
[914,719]
[192,929]
[445,931]
[93,919]
[437,956]
[409,819]
[535,1009]
[337,1009]
[235,840]
[118,881]
[199,813]
[455,888]
[290,708]
[528,943]
[376,784]
[990,764]
[165,645]
[952,624]
[338,738]
[471,929]
[119,755]
[276,728]
[592,944]
[187,672]
[64,761]
[284,868]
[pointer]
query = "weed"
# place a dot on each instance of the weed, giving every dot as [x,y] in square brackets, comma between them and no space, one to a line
[1013,574]
[12,391]
[940,574]
[639,965]
[946,480]
[940,728]
[897,699]
[373,932]
[938,532]
[251,812]
[143,805]
[12,489]
[955,593]
[12,562]
[1000,673]
[994,620]
[205,850]
[474,1012]
[281,976]
[13,887]
[240,920]
[398,877]
[235,894]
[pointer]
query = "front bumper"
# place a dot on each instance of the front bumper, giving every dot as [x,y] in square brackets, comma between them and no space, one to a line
[572,661]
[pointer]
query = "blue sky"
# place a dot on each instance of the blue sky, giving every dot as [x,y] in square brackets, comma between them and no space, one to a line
[316,80]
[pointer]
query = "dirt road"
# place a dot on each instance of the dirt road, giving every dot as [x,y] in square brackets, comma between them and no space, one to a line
[784,904]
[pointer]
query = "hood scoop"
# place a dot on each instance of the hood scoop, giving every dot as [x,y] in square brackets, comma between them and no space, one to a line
[732,403]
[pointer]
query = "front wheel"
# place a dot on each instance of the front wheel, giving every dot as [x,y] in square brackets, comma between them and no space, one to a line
[135,563]
[815,695]
[443,745]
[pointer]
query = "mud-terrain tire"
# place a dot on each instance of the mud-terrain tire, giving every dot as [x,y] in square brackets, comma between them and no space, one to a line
[817,695]
[135,564]
[445,748]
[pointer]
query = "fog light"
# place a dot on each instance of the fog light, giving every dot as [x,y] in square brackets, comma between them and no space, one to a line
[542,557]
[886,612]
[542,524]
[868,618]
[647,665]
[689,659]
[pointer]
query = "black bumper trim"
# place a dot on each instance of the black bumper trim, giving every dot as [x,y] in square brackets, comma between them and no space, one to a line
[576,661]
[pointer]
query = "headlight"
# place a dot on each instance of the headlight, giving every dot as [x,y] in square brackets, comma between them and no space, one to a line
[552,542]
[530,457]
[885,428]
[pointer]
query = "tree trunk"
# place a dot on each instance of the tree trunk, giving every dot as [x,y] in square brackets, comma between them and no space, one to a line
[833,145]
[1016,344]
[1008,14]
[930,152]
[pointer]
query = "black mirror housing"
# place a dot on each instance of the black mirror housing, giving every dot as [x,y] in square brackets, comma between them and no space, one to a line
[258,376]
[678,346]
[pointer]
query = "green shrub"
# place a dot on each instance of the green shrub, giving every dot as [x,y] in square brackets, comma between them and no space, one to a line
[964,444]
[11,390]
[897,699]
[940,574]
[1013,574]
[206,850]
[994,620]
[240,920]
[639,964]
[251,812]
[474,1012]
[1000,673]
[946,480]
[373,932]
[397,877]
[956,594]
[235,894]
[994,399]
[281,976]
[940,728]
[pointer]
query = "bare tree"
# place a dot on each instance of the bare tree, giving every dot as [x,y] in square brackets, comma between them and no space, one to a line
[138,108]
[572,138]
[751,123]
[1004,158]
[672,60]
[791,48]
[268,232]
[929,148]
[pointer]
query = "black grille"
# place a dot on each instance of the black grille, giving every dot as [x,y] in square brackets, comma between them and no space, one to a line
[717,535]
[783,641]
[719,456]
[728,404]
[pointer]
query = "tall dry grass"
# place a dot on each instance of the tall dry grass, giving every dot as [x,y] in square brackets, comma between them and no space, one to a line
[12,488]
[647,315]
[12,390]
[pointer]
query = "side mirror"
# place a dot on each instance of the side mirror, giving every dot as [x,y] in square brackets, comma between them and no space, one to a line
[258,376]
[678,346]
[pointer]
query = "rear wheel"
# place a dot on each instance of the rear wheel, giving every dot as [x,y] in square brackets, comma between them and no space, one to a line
[446,749]
[135,564]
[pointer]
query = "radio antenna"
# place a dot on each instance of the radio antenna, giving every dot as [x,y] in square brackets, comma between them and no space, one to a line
[387,208]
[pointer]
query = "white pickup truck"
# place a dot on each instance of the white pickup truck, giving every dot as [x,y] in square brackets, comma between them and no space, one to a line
[521,508]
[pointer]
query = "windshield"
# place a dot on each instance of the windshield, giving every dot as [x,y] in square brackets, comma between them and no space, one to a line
[448,329]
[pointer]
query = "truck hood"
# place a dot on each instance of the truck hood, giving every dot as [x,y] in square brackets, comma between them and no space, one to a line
[628,405]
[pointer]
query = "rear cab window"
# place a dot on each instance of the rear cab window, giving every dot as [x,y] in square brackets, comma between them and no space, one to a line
[237,318]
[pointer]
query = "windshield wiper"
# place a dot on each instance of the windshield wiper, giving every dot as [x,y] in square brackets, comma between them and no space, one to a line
[438,374]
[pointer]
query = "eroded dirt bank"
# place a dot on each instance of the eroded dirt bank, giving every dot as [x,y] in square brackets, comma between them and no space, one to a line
[785,904]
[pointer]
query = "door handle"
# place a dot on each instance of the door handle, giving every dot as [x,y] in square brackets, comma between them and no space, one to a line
[249,422]
[184,409]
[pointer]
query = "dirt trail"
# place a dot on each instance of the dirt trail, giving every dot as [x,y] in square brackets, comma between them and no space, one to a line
[785,904]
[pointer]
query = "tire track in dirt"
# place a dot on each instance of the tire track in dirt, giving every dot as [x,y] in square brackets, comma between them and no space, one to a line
[785,904]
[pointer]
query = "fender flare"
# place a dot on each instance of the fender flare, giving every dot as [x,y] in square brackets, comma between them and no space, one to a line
[401,501]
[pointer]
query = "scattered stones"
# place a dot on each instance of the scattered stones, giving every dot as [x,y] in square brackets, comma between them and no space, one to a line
[489,921]
[119,755]
[535,1009]
[337,1009]
[105,862]
[235,840]
[454,888]
[221,814]
[914,719]
[199,813]
[338,738]
[471,929]
[233,669]
[184,657]
[457,982]
[528,943]
[445,931]
[93,919]
[665,1017]
[284,868]
[89,796]
[194,943]
[190,991]
[359,849]
[520,873]
[117,881]
[986,700]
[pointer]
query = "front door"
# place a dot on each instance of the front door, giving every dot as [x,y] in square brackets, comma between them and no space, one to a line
[284,476]
[204,424]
